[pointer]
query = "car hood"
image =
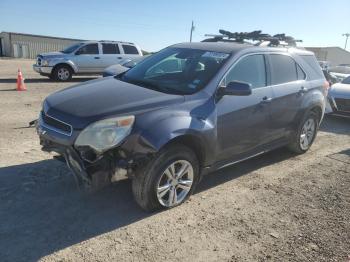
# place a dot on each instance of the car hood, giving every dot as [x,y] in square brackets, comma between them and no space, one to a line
[85,103]
[52,54]
[340,90]
[115,69]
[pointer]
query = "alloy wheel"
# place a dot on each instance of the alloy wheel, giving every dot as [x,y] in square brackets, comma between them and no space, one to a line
[63,74]
[175,183]
[307,133]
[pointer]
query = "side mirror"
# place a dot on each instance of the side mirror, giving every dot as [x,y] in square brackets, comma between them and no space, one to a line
[236,88]
[78,52]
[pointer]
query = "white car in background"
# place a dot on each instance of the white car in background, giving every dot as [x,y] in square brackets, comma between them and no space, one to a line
[90,57]
[121,67]
[340,72]
[339,98]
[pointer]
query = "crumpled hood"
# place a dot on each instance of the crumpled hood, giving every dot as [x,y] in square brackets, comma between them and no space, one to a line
[91,101]
[340,90]
[52,55]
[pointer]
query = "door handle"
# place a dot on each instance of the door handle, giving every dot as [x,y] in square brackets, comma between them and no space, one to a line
[303,90]
[266,100]
[119,57]
[97,57]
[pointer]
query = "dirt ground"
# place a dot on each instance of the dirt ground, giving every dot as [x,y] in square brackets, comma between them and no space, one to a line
[276,207]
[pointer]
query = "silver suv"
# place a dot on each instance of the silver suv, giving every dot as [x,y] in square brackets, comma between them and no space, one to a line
[90,57]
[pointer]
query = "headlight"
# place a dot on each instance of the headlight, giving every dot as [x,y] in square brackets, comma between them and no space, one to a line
[44,62]
[105,134]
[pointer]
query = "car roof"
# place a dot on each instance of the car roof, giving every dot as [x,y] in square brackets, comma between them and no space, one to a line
[236,47]
[106,42]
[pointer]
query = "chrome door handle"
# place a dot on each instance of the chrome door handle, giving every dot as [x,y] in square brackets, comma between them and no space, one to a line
[266,100]
[303,90]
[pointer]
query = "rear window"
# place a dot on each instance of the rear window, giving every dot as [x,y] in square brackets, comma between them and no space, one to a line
[315,69]
[301,74]
[130,50]
[284,69]
[110,49]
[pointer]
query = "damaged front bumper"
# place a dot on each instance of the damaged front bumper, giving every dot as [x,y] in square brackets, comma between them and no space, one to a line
[112,167]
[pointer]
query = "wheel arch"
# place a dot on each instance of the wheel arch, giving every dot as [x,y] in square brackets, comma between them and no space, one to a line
[192,142]
[64,64]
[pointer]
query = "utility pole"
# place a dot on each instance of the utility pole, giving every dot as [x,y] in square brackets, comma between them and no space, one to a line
[346,40]
[192,29]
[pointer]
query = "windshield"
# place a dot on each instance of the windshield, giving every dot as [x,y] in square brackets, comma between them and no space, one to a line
[346,80]
[176,70]
[71,48]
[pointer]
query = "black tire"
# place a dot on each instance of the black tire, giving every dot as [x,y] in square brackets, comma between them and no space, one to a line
[145,182]
[62,73]
[295,144]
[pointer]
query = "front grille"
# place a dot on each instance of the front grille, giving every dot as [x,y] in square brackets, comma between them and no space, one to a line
[342,104]
[56,124]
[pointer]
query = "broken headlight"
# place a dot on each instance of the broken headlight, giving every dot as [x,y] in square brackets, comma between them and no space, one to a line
[105,134]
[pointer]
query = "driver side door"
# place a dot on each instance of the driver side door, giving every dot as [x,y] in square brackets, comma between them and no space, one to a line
[87,59]
[243,121]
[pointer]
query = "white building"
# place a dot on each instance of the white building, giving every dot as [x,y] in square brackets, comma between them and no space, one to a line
[29,46]
[334,54]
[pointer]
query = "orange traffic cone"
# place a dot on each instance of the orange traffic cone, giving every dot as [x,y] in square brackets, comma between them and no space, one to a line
[20,82]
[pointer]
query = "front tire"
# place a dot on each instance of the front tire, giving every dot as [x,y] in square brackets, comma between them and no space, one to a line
[62,73]
[168,180]
[306,134]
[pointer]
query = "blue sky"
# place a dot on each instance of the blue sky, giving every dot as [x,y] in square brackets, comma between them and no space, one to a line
[156,24]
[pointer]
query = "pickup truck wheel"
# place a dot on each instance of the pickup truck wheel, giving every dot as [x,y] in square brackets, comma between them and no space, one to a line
[62,73]
[306,134]
[168,180]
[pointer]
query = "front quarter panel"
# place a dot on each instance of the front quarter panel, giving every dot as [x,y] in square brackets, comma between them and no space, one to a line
[64,60]
[153,130]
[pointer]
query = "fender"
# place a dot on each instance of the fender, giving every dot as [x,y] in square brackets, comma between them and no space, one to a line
[151,139]
[313,99]
[66,61]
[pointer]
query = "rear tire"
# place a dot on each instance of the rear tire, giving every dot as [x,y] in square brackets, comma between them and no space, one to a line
[306,133]
[62,73]
[168,180]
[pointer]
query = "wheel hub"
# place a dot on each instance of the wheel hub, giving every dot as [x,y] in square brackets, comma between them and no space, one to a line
[175,183]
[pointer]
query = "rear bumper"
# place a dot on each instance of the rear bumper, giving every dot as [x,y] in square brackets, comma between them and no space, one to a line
[44,70]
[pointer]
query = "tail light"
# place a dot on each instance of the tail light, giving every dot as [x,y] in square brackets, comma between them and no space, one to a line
[326,86]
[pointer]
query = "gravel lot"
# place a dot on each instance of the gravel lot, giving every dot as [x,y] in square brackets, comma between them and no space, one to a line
[276,207]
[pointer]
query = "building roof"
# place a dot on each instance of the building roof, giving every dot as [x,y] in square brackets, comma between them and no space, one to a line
[326,48]
[43,36]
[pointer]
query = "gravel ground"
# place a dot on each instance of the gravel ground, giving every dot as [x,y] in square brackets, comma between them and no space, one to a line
[276,207]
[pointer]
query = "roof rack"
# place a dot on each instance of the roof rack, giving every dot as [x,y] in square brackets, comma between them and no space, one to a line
[255,37]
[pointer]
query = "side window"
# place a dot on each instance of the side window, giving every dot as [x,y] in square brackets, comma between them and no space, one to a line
[110,49]
[130,50]
[250,69]
[300,72]
[283,69]
[89,49]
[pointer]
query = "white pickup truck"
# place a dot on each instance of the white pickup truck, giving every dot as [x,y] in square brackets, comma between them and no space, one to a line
[90,57]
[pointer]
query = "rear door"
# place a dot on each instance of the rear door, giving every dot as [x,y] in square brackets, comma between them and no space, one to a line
[110,55]
[87,58]
[243,121]
[289,87]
